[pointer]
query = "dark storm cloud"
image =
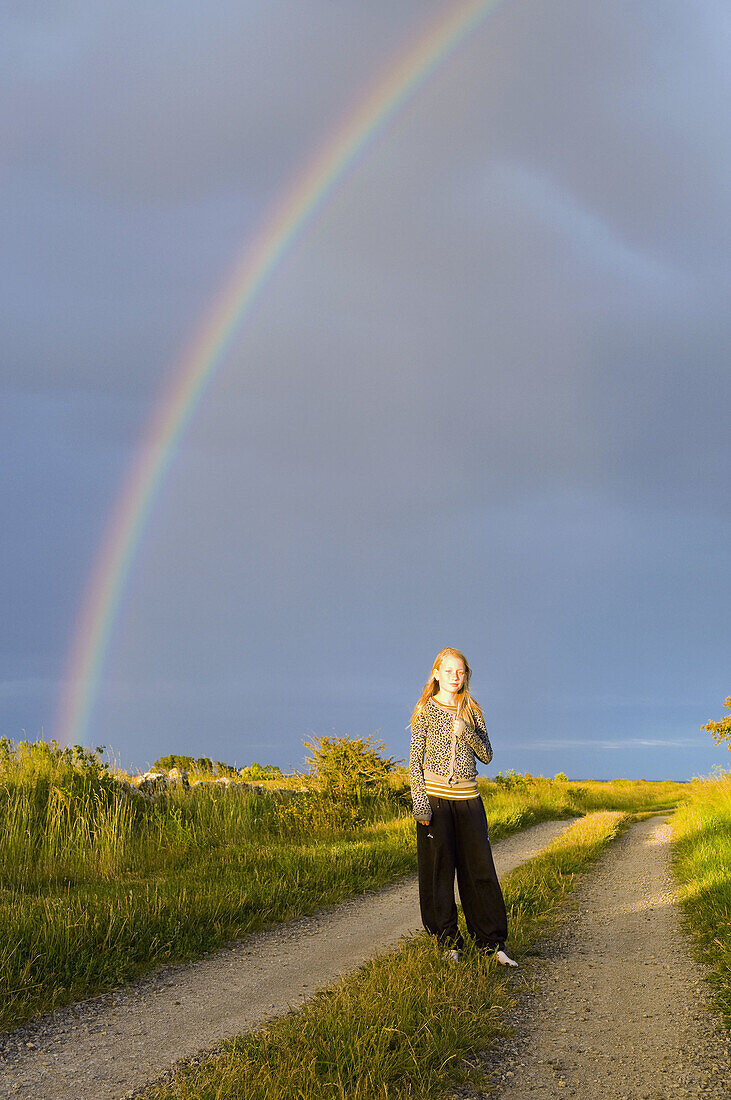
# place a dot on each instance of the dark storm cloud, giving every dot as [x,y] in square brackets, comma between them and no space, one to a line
[172,101]
[481,402]
[142,148]
[100,298]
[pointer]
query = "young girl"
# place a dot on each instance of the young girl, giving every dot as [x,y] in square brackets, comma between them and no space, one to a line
[447,733]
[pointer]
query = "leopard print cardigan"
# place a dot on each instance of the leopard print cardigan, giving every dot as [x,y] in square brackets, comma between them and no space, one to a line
[431,749]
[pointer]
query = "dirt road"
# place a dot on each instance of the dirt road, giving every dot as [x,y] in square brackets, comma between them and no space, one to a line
[107,1048]
[620,1010]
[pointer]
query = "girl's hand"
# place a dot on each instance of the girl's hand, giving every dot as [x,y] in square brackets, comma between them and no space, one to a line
[422,822]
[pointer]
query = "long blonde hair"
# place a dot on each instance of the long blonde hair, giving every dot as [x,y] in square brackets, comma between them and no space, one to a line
[468,709]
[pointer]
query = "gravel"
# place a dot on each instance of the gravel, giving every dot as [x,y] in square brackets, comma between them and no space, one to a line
[109,1047]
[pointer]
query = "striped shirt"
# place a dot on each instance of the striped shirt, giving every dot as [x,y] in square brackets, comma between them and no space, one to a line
[442,759]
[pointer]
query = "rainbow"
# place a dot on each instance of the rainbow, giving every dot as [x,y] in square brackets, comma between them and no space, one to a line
[297,206]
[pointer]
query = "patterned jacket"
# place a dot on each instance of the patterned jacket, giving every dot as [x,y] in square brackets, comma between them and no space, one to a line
[432,748]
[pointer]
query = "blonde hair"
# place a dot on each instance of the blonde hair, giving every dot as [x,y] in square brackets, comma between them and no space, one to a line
[467,708]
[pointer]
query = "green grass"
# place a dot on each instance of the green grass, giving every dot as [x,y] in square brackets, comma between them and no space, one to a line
[407,1024]
[63,937]
[702,864]
[516,801]
[98,886]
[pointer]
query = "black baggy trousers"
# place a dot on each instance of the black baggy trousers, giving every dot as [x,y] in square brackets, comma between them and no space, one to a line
[456,839]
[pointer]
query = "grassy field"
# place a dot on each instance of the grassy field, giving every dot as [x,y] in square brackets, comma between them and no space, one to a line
[407,1023]
[702,863]
[98,885]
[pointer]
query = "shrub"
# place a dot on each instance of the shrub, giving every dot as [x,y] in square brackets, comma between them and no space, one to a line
[261,771]
[44,764]
[351,773]
[201,764]
[514,781]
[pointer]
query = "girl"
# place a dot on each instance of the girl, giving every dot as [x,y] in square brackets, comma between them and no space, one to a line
[447,733]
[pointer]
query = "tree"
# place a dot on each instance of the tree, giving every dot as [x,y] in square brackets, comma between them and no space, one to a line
[721,730]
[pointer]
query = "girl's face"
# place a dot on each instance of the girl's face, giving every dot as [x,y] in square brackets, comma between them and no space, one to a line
[450,674]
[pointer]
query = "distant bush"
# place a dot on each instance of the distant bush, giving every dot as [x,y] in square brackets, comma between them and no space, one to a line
[514,781]
[261,771]
[201,764]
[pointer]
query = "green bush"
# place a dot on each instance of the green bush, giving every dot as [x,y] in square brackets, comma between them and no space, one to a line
[41,767]
[261,771]
[201,764]
[351,774]
[514,781]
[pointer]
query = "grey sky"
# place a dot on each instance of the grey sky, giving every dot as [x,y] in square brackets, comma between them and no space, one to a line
[482,402]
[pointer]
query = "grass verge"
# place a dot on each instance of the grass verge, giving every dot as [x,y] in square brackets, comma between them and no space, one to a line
[702,865]
[406,1024]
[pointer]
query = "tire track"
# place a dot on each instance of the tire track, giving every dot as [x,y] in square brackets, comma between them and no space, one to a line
[621,1011]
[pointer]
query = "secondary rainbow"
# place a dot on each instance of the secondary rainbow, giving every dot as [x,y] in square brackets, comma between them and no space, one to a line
[296,207]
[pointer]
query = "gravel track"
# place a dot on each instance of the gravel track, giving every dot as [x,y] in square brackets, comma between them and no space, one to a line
[620,1010]
[109,1047]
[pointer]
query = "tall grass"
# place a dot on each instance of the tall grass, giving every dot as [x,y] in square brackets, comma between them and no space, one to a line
[66,819]
[98,885]
[407,1023]
[702,864]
